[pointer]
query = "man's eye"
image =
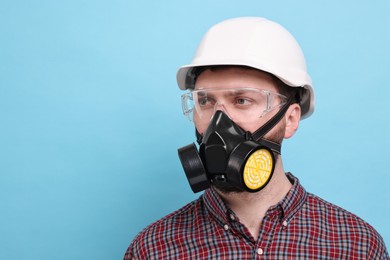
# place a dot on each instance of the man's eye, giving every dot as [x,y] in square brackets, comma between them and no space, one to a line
[204,101]
[243,101]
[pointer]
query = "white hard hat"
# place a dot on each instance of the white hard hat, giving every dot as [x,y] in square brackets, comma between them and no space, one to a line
[254,42]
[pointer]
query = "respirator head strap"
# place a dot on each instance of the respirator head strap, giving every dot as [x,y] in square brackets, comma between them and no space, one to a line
[259,133]
[274,146]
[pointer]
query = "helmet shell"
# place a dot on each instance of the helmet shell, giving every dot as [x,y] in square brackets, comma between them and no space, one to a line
[254,42]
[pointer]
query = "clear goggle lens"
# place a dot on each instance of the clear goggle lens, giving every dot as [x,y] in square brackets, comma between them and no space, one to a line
[239,103]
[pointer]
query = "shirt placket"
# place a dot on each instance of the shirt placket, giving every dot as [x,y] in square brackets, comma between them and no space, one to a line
[270,225]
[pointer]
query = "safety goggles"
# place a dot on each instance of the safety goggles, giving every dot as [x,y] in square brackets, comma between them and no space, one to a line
[239,103]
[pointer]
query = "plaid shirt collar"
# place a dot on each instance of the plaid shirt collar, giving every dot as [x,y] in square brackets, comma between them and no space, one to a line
[284,210]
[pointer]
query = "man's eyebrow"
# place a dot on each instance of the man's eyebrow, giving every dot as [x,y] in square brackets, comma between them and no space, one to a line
[240,91]
[235,92]
[202,93]
[226,92]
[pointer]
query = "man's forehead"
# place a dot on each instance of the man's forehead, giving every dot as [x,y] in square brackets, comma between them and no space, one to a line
[224,91]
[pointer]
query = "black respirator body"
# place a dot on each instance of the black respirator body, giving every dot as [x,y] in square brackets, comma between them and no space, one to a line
[230,157]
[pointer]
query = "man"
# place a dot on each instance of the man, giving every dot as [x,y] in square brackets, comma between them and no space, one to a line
[248,90]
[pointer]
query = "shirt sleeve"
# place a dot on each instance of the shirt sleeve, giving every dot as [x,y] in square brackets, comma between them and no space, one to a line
[132,252]
[378,249]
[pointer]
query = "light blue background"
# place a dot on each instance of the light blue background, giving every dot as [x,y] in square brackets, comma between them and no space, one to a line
[91,118]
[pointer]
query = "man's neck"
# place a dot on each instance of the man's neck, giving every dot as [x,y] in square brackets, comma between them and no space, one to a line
[251,207]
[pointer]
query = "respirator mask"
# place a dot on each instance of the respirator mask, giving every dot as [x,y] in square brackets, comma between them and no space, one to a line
[229,157]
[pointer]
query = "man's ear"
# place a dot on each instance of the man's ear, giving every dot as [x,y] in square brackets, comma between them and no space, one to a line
[292,117]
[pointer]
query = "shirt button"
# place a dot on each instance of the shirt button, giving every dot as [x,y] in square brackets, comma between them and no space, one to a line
[231,216]
[260,251]
[226,227]
[285,223]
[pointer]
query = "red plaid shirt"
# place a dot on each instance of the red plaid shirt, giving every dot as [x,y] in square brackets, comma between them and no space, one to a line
[301,226]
